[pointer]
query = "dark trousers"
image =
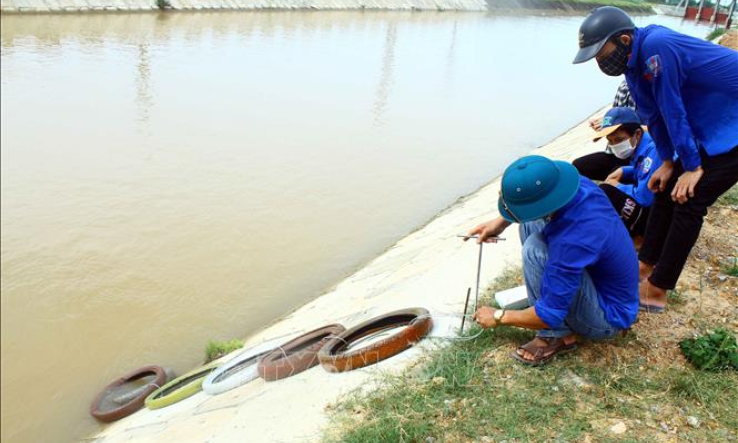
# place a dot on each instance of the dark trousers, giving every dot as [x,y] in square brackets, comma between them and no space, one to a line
[673,228]
[634,215]
[599,165]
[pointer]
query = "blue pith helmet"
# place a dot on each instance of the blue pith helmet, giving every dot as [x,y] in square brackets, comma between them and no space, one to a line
[614,118]
[534,187]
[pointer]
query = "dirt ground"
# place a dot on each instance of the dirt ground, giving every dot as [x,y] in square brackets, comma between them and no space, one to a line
[705,297]
[730,39]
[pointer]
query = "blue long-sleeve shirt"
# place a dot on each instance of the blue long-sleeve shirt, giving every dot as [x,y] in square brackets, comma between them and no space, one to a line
[644,163]
[686,91]
[587,234]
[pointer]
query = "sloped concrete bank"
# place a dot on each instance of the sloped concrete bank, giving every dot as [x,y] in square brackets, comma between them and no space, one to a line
[429,268]
[60,6]
[55,6]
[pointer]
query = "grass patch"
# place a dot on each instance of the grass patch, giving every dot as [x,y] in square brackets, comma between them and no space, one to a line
[731,268]
[163,4]
[511,277]
[472,391]
[730,198]
[715,34]
[216,349]
[677,297]
[467,394]
[712,351]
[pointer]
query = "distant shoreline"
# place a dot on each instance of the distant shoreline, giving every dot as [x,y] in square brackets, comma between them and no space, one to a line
[568,5]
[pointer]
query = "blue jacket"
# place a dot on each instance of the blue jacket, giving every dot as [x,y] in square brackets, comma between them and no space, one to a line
[635,178]
[587,234]
[686,90]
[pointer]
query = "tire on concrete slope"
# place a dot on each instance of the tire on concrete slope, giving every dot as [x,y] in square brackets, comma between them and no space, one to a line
[296,355]
[180,388]
[122,398]
[239,371]
[334,356]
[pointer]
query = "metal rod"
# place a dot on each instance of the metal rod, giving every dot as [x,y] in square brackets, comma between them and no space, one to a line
[466,305]
[479,272]
[476,236]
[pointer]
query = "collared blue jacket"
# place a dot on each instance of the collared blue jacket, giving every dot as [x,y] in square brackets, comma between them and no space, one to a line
[635,178]
[588,235]
[686,90]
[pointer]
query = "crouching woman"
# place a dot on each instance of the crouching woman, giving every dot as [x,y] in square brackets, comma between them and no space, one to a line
[580,268]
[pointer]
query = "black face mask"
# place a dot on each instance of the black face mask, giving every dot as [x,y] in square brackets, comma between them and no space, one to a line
[617,62]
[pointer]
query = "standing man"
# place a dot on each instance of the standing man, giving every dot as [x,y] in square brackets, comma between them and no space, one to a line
[580,268]
[686,92]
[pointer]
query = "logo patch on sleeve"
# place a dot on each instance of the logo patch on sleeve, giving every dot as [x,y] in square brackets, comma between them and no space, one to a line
[653,65]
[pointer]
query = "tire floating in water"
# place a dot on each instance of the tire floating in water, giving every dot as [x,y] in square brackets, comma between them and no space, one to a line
[180,388]
[296,355]
[336,356]
[127,394]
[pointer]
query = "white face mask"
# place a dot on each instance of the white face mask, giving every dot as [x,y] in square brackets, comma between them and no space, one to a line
[622,150]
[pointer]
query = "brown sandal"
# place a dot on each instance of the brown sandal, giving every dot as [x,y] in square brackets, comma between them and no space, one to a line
[543,354]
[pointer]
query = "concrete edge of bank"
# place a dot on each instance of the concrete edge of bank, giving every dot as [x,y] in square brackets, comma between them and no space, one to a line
[85,6]
[91,6]
[429,268]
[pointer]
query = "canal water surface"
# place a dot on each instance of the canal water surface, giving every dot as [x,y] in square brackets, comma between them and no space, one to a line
[173,178]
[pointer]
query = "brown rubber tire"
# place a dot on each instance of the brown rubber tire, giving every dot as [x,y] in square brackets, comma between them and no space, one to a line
[334,358]
[296,355]
[134,404]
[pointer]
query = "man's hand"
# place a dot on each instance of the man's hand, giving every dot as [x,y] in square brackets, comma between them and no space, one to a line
[595,123]
[684,188]
[485,317]
[614,178]
[660,178]
[488,230]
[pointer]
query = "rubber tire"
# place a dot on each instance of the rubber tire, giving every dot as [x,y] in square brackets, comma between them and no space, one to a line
[191,385]
[136,403]
[333,358]
[217,383]
[296,355]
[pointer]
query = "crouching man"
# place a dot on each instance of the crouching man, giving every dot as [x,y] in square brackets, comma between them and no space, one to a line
[580,268]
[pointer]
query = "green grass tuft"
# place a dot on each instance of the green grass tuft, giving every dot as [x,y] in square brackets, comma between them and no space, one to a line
[216,349]
[715,34]
[730,198]
[713,351]
[731,268]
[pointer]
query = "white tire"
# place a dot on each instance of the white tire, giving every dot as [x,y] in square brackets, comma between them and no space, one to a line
[240,370]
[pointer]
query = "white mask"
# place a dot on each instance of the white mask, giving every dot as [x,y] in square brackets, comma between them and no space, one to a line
[622,150]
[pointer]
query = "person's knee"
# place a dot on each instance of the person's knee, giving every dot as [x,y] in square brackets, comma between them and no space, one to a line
[535,250]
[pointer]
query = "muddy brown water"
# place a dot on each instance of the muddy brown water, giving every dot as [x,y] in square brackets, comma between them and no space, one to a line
[173,178]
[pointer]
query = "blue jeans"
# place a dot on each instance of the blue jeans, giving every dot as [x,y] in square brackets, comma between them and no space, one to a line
[586,317]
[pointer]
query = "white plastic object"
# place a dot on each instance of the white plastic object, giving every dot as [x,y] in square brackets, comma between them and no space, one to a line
[513,299]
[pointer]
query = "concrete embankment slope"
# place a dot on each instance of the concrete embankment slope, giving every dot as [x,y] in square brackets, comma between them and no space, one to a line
[429,268]
[21,6]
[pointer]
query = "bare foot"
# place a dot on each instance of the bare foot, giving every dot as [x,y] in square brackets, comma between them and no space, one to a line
[541,343]
[644,271]
[651,295]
